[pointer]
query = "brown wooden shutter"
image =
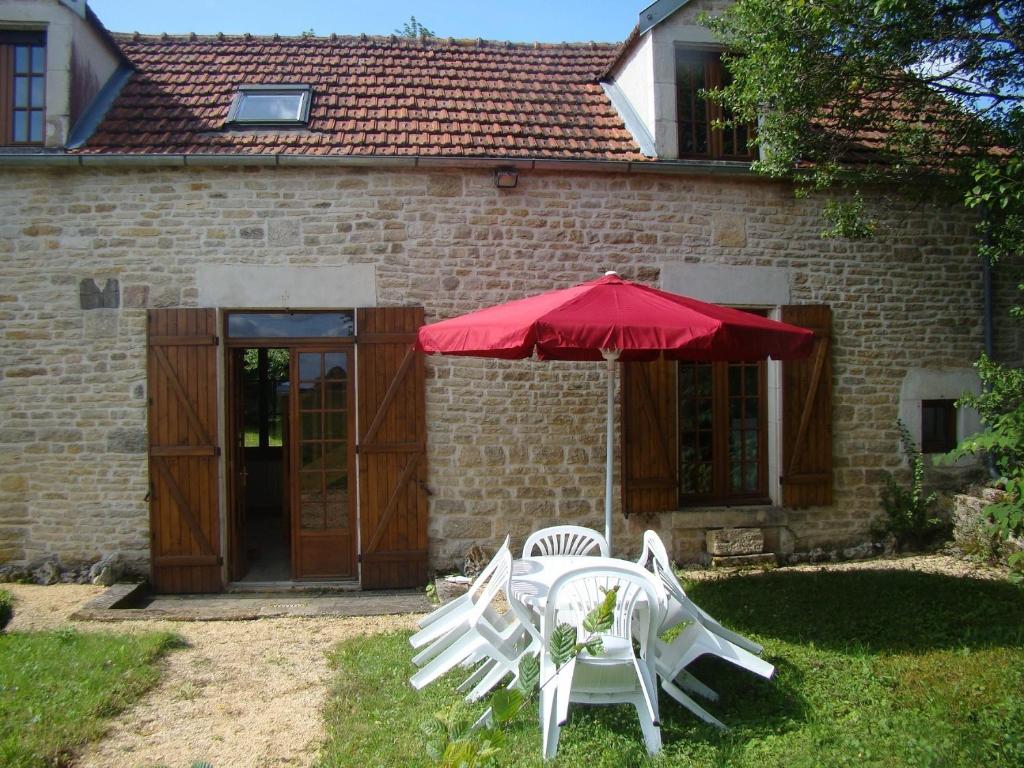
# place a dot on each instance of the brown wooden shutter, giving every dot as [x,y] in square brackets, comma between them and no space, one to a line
[184,515]
[392,448]
[650,466]
[807,413]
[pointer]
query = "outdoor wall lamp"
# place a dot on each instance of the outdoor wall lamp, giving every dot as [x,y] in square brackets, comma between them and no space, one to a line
[506,178]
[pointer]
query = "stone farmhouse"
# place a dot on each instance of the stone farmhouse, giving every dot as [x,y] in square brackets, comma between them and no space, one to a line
[215,252]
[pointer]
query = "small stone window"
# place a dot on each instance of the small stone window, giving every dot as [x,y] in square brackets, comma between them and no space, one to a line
[938,426]
[270,105]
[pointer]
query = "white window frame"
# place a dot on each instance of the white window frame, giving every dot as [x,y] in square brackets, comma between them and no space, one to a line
[290,89]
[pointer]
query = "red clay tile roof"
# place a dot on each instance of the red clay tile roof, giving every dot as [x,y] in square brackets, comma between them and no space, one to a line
[371,96]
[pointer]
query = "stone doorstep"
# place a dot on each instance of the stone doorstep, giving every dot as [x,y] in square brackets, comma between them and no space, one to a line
[744,561]
[115,604]
[735,541]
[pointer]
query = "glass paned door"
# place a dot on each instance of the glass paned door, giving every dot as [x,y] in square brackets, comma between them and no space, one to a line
[323,457]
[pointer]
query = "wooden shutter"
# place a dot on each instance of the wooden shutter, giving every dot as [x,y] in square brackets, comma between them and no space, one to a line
[391,448]
[184,515]
[650,466]
[807,413]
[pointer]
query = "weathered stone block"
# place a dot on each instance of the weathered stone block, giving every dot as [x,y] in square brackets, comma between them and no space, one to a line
[735,541]
[100,324]
[136,296]
[122,440]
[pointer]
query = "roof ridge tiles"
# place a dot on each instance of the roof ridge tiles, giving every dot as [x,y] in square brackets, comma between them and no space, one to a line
[335,38]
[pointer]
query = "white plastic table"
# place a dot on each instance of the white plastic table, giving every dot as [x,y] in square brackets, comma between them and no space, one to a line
[532,577]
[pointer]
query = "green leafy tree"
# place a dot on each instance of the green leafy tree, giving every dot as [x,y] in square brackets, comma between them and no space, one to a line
[414,29]
[852,97]
[852,93]
[1001,408]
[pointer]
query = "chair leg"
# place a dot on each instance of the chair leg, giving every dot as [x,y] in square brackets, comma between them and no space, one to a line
[444,662]
[495,675]
[477,675]
[563,685]
[676,693]
[690,683]
[437,646]
[649,726]
[548,714]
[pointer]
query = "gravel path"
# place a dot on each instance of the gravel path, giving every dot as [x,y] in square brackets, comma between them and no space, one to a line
[248,694]
[243,694]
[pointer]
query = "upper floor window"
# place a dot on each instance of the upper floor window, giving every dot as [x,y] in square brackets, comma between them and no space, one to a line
[22,87]
[270,104]
[698,135]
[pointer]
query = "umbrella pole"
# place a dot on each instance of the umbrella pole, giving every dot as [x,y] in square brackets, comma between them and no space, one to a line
[610,356]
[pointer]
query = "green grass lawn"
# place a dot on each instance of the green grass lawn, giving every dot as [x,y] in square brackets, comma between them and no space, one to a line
[58,689]
[873,668]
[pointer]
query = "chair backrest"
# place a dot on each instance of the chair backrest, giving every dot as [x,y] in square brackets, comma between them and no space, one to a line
[485,574]
[654,551]
[680,606]
[570,540]
[577,593]
[497,581]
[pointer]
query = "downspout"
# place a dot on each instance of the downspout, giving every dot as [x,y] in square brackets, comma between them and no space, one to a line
[988,323]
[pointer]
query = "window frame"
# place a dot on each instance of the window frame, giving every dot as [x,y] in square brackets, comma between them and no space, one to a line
[714,76]
[10,41]
[721,464]
[948,441]
[290,89]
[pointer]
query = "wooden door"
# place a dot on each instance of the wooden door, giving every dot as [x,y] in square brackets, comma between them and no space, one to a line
[392,449]
[237,472]
[183,454]
[322,465]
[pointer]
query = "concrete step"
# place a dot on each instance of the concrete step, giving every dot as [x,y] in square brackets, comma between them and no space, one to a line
[744,561]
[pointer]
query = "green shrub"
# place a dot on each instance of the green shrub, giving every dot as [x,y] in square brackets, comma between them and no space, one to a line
[6,609]
[910,514]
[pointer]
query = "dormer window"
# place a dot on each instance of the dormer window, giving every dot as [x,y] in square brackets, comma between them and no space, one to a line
[270,105]
[22,87]
[698,70]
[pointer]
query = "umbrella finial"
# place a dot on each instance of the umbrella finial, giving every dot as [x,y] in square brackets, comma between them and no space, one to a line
[611,272]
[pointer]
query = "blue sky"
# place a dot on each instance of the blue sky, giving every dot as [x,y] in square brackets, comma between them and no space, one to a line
[519,20]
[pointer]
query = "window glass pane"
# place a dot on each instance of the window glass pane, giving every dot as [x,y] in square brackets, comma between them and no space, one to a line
[311,456]
[335,455]
[270,106]
[311,423]
[20,125]
[309,366]
[309,397]
[337,500]
[281,325]
[35,132]
[21,59]
[38,91]
[21,92]
[38,59]
[336,425]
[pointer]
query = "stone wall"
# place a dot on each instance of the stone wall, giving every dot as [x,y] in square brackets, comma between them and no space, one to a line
[512,446]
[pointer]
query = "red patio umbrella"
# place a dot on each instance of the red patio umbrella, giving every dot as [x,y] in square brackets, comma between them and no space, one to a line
[614,319]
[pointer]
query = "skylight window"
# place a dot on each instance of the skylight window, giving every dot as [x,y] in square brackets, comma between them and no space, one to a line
[270,105]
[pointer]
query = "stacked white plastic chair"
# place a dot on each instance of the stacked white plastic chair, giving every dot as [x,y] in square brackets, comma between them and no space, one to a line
[473,632]
[616,674]
[702,635]
[566,540]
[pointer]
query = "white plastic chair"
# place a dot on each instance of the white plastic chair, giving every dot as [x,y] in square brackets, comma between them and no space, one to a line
[570,540]
[682,608]
[482,639]
[695,640]
[459,602]
[617,674]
